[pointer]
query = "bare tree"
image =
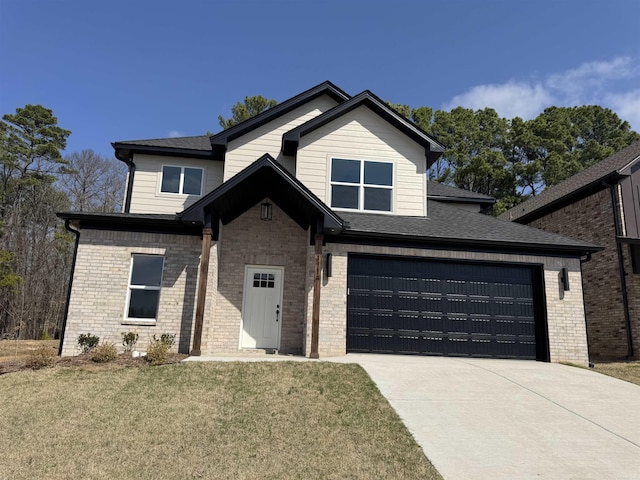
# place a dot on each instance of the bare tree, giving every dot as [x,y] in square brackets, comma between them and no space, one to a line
[94,183]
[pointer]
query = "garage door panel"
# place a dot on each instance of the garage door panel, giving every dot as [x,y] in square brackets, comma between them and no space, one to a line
[400,305]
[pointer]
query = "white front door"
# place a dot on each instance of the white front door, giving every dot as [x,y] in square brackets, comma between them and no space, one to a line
[261,307]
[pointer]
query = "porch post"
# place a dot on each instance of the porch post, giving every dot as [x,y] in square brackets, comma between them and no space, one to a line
[202,290]
[315,313]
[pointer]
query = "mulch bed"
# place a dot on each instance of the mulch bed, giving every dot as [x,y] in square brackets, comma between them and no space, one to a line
[84,360]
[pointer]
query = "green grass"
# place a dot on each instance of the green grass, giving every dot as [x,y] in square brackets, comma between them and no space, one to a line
[203,420]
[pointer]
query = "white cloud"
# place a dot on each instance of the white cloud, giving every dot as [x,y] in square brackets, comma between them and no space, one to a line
[626,105]
[509,99]
[596,83]
[175,133]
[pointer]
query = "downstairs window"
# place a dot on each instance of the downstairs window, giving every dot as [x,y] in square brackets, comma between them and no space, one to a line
[144,287]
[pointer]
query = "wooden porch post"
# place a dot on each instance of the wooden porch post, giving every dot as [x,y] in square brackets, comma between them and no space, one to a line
[202,290]
[317,281]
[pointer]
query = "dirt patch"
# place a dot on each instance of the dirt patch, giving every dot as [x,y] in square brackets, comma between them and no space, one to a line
[84,361]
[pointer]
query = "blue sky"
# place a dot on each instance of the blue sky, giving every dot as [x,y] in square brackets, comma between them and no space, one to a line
[118,70]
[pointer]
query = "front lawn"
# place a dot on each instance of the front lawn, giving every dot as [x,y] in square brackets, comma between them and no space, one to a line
[627,371]
[203,420]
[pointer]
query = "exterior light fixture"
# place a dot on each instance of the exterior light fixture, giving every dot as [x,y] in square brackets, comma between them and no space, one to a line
[266,211]
[564,278]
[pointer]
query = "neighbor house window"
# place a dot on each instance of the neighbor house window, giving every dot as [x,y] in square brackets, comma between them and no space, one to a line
[635,257]
[144,287]
[361,185]
[184,180]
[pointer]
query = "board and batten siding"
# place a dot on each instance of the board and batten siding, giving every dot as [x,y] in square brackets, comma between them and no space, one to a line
[146,196]
[363,135]
[246,149]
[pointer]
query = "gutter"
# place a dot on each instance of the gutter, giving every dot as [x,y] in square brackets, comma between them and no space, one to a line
[67,226]
[130,175]
[623,276]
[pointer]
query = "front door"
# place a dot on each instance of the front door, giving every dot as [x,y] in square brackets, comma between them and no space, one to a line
[261,307]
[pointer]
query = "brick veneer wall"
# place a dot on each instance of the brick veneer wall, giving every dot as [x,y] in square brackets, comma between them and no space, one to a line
[249,241]
[591,219]
[565,311]
[101,280]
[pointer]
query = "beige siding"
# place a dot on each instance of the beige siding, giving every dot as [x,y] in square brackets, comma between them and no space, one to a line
[245,150]
[146,196]
[363,135]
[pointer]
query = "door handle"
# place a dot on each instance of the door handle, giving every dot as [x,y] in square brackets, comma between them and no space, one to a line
[277,313]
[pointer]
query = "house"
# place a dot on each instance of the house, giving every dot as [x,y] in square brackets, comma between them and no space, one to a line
[307,230]
[600,205]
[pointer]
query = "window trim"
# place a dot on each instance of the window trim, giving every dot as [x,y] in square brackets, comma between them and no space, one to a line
[127,320]
[362,185]
[181,186]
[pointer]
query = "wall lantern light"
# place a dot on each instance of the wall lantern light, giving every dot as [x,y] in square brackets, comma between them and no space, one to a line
[266,211]
[564,278]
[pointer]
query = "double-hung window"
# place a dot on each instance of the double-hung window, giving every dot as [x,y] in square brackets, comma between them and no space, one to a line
[362,185]
[182,180]
[144,287]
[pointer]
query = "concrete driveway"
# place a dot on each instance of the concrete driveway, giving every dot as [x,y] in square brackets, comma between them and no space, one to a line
[509,419]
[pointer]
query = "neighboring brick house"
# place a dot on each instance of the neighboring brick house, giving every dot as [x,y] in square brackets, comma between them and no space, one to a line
[600,205]
[307,230]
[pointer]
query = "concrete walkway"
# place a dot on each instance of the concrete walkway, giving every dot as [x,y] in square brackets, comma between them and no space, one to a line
[508,419]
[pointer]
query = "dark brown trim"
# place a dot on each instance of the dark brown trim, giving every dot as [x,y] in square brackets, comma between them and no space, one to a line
[202,290]
[67,226]
[471,245]
[433,149]
[317,283]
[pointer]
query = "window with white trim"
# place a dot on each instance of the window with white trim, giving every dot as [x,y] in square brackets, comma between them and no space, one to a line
[181,180]
[145,280]
[364,185]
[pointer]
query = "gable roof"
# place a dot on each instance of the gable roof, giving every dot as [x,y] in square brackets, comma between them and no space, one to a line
[577,186]
[192,147]
[263,178]
[433,149]
[439,191]
[220,140]
[468,230]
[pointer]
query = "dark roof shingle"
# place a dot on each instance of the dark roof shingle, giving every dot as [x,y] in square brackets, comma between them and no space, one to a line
[448,224]
[200,142]
[439,190]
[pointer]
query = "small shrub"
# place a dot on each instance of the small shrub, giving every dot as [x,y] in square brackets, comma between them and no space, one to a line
[105,352]
[159,348]
[41,357]
[88,342]
[166,338]
[129,340]
[46,336]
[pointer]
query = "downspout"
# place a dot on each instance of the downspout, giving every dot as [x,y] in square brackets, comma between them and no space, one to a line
[623,276]
[67,226]
[132,171]
[584,306]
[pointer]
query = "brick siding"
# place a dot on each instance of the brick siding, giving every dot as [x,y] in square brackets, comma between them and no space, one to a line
[101,280]
[591,220]
[249,241]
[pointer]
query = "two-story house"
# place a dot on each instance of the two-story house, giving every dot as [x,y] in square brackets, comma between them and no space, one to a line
[307,230]
[600,205]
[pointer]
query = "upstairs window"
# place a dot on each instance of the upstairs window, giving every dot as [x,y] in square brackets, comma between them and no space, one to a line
[181,180]
[144,287]
[361,185]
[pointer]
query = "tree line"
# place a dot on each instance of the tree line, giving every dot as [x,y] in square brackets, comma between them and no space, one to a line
[510,160]
[36,181]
